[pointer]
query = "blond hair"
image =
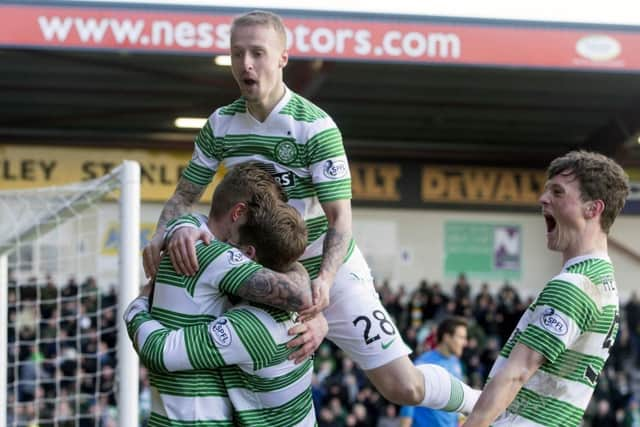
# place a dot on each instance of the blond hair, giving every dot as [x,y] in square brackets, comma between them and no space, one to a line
[276,231]
[243,184]
[261,18]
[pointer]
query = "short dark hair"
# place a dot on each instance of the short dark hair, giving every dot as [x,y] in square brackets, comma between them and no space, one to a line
[599,178]
[449,325]
[241,184]
[276,231]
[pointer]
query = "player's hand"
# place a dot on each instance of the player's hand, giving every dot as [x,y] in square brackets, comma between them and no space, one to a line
[309,337]
[151,255]
[182,249]
[320,297]
[147,289]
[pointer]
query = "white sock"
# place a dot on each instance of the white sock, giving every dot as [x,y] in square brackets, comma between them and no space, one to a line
[443,391]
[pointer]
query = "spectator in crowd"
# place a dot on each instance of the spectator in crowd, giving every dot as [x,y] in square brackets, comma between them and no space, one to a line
[451,339]
[632,315]
[62,346]
[461,289]
[632,415]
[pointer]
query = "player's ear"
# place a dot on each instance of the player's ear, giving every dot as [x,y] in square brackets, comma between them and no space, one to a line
[238,210]
[249,251]
[594,208]
[284,59]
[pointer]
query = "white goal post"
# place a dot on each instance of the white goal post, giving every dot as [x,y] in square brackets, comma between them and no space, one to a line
[32,215]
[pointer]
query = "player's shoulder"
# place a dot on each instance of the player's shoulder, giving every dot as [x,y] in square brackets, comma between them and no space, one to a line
[585,272]
[596,269]
[194,219]
[216,249]
[274,315]
[236,107]
[260,320]
[223,266]
[303,110]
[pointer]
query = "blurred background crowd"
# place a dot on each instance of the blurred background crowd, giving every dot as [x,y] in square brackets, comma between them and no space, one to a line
[62,348]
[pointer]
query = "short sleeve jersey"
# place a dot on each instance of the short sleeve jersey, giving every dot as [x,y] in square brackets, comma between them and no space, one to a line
[573,324]
[298,143]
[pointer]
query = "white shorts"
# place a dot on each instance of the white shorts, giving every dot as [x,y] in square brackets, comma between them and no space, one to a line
[358,323]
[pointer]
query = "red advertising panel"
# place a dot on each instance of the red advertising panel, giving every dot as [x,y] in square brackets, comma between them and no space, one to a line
[377,38]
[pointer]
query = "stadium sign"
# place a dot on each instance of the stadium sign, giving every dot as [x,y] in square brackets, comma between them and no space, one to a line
[484,250]
[327,35]
[399,184]
[32,166]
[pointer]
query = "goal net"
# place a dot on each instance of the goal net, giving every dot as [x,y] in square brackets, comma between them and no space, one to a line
[69,263]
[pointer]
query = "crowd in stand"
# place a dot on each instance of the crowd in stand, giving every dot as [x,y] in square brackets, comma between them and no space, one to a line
[62,347]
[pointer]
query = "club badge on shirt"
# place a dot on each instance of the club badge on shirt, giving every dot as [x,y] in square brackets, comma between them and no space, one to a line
[286,152]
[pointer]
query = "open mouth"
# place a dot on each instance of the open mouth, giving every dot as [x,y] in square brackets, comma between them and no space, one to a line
[249,82]
[551,223]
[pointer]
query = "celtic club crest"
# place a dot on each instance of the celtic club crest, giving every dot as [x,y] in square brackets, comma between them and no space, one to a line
[286,152]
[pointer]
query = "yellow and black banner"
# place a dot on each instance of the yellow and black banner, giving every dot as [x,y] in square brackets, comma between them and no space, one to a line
[24,167]
[401,184]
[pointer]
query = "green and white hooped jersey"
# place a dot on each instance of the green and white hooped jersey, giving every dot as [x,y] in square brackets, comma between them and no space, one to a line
[298,143]
[573,324]
[248,345]
[199,396]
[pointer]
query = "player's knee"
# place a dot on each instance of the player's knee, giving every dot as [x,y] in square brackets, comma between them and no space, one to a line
[399,382]
[403,392]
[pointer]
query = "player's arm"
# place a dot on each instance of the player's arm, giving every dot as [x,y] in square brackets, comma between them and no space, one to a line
[194,180]
[238,337]
[164,350]
[289,291]
[334,249]
[331,179]
[523,362]
[337,239]
[186,194]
